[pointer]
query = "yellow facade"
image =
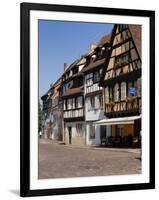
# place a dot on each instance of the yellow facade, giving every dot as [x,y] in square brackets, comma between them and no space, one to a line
[127,130]
[75,140]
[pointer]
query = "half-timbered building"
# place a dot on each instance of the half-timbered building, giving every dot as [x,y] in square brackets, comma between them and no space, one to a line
[93,93]
[121,80]
[73,103]
[47,114]
[57,112]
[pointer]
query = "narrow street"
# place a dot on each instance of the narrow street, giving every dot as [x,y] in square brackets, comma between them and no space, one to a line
[59,161]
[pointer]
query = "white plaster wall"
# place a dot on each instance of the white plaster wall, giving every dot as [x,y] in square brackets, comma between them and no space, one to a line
[73,125]
[94,114]
[96,140]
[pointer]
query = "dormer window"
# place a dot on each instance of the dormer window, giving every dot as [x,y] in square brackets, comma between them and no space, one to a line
[75,70]
[70,73]
[93,57]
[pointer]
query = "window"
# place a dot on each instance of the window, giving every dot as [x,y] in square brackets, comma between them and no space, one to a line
[73,103]
[96,77]
[116,92]
[107,94]
[75,70]
[64,88]
[93,57]
[79,129]
[119,130]
[100,71]
[79,102]
[64,104]
[80,99]
[69,85]
[92,131]
[100,101]
[89,82]
[92,101]
[69,101]
[123,90]
[97,105]
[111,94]
[80,112]
[121,59]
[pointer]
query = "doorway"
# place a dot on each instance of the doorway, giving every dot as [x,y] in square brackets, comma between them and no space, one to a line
[70,134]
[103,134]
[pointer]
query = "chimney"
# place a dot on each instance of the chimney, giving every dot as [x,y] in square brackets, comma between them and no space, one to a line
[65,66]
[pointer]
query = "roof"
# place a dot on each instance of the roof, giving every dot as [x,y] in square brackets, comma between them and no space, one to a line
[73,91]
[49,92]
[80,61]
[73,77]
[44,96]
[93,65]
[136,34]
[71,66]
[58,82]
[104,39]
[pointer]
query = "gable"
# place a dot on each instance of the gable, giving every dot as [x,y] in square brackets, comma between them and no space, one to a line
[124,56]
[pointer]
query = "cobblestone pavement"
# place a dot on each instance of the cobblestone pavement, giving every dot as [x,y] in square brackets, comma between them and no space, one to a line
[59,161]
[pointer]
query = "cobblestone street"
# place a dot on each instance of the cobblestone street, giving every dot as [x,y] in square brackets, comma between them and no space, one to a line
[59,161]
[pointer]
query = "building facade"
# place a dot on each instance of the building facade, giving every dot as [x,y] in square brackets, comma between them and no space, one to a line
[121,81]
[73,103]
[93,93]
[47,114]
[57,112]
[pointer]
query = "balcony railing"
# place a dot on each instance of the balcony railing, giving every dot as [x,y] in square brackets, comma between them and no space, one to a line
[73,113]
[129,104]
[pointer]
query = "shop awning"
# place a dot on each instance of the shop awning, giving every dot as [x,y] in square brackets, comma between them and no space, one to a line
[116,121]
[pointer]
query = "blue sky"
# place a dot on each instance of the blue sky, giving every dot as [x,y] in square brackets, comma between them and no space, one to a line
[64,42]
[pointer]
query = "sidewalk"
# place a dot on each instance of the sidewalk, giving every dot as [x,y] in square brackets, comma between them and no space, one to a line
[98,148]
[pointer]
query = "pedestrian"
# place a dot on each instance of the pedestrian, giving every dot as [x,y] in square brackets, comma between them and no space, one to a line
[40,134]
